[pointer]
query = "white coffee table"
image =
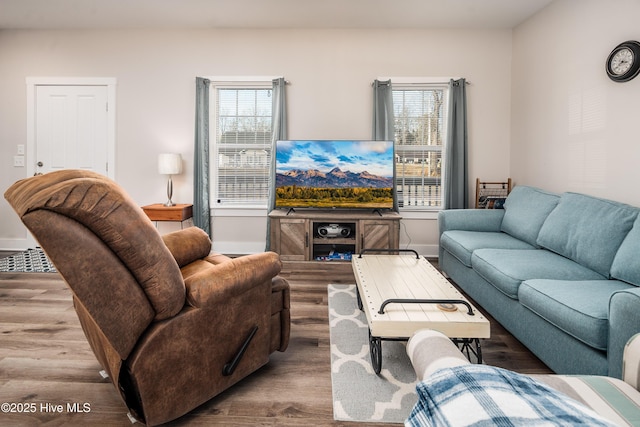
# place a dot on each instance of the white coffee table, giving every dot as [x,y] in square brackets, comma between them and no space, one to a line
[401,294]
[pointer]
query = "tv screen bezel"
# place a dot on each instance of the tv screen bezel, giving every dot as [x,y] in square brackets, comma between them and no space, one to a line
[393,206]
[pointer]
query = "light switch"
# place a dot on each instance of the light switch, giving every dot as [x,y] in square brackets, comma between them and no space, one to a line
[18,161]
[20,149]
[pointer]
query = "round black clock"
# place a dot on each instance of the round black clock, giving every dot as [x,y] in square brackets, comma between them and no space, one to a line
[623,63]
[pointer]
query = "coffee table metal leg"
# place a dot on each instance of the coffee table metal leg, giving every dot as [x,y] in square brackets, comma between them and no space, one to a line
[358,298]
[466,347]
[478,351]
[375,351]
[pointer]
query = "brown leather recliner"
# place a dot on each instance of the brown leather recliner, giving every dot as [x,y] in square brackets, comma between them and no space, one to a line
[171,323]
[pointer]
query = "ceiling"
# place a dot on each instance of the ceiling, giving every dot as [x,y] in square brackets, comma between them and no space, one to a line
[164,14]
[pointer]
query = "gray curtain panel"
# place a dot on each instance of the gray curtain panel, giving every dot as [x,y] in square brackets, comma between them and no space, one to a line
[383,119]
[456,190]
[278,133]
[201,179]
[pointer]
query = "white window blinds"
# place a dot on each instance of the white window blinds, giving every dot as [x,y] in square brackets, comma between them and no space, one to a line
[242,145]
[419,136]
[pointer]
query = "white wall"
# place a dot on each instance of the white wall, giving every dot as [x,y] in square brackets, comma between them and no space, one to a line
[329,97]
[573,129]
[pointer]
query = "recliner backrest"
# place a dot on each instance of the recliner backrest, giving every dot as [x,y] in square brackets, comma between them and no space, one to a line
[106,249]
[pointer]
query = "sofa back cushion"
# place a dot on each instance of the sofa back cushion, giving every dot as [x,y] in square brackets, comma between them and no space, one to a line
[587,230]
[526,209]
[625,263]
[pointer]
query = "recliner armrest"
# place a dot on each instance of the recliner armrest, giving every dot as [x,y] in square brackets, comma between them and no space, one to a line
[188,245]
[231,278]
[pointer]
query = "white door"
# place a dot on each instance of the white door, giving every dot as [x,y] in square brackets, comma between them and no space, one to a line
[70,124]
[71,128]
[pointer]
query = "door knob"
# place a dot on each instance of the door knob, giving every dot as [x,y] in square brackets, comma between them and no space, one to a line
[40,164]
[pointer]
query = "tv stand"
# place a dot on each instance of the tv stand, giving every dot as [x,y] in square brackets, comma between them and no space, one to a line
[323,237]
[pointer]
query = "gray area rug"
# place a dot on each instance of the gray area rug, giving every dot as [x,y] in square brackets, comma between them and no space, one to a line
[29,261]
[358,393]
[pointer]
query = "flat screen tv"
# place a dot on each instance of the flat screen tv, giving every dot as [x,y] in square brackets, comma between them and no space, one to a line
[334,174]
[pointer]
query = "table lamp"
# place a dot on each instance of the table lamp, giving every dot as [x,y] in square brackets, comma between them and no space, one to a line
[169,164]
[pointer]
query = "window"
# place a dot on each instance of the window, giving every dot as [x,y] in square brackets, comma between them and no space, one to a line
[420,127]
[241,143]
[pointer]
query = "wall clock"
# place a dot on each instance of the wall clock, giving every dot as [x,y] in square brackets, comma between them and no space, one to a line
[623,63]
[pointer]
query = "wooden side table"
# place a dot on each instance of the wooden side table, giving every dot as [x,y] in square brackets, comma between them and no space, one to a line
[178,213]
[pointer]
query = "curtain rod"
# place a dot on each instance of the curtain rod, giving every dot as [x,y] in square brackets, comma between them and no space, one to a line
[241,80]
[421,84]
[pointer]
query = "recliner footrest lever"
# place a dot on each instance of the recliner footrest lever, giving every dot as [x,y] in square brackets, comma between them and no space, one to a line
[230,367]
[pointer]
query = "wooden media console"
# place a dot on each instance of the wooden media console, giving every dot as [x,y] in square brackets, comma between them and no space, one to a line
[321,240]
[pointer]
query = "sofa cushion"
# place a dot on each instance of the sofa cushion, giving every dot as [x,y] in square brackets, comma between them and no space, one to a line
[625,263]
[580,308]
[506,269]
[526,209]
[462,243]
[587,230]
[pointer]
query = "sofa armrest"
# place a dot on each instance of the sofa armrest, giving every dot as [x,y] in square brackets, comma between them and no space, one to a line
[470,219]
[624,323]
[431,350]
[631,362]
[188,245]
[231,278]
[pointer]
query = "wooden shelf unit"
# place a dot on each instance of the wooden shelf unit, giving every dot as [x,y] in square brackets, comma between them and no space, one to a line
[295,236]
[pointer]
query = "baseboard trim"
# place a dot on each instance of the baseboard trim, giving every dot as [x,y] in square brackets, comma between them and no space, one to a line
[428,251]
[14,244]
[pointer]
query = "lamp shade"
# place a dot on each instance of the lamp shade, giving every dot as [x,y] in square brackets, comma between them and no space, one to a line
[169,164]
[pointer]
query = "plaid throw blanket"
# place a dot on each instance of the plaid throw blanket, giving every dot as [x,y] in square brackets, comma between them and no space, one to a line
[480,395]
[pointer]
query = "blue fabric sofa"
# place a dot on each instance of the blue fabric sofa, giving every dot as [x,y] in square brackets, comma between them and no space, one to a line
[561,272]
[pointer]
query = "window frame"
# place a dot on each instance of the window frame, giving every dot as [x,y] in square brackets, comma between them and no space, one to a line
[231,82]
[417,84]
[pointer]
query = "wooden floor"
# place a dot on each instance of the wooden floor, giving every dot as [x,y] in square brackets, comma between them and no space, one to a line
[45,360]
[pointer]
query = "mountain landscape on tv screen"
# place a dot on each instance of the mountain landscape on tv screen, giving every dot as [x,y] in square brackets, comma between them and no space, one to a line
[335,178]
[334,174]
